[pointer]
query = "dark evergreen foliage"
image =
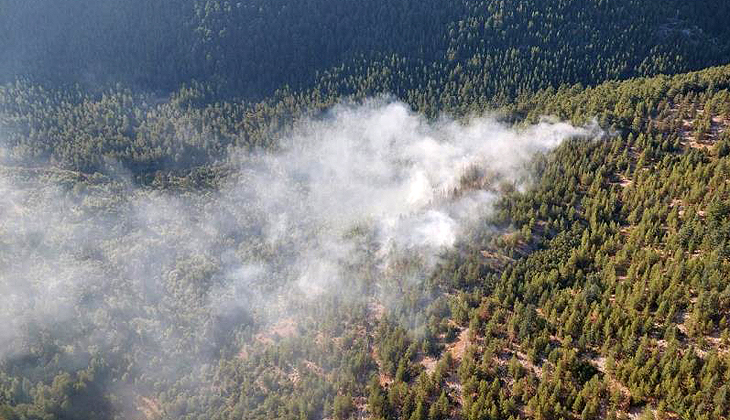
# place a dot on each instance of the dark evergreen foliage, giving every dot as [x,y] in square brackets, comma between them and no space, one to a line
[603,290]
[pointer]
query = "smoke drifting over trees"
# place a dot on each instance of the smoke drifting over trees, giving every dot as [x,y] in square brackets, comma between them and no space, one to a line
[205,215]
[102,265]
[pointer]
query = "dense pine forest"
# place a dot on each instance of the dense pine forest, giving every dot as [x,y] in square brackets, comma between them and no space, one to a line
[420,210]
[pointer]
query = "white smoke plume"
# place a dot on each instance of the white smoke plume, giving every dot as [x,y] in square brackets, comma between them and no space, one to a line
[382,168]
[100,265]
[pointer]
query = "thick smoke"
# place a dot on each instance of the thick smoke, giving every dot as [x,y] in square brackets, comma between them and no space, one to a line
[411,184]
[100,265]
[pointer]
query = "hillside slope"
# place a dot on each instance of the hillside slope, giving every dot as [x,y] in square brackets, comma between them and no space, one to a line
[490,49]
[599,291]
